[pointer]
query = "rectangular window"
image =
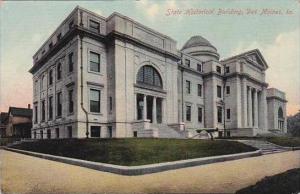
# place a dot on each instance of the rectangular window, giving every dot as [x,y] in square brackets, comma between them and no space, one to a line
[35,87]
[41,134]
[50,77]
[94,62]
[188,113]
[43,110]
[219,69]
[219,114]
[58,36]
[57,132]
[49,134]
[70,131]
[199,67]
[187,62]
[50,45]
[188,87]
[59,71]
[50,107]
[199,115]
[199,90]
[35,114]
[71,24]
[95,100]
[110,103]
[227,70]
[95,131]
[43,82]
[228,113]
[59,104]
[219,91]
[34,135]
[70,56]
[71,103]
[94,26]
[227,89]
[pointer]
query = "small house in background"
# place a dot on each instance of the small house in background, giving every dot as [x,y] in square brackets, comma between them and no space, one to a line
[3,123]
[19,122]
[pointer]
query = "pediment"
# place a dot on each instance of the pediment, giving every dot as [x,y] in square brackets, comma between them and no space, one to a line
[255,58]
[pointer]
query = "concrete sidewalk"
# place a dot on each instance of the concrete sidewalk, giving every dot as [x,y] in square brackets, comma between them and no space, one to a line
[26,174]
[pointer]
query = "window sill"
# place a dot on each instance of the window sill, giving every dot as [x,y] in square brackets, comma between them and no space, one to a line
[70,73]
[96,113]
[95,72]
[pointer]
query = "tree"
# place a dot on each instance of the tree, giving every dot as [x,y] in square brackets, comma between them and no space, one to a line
[293,124]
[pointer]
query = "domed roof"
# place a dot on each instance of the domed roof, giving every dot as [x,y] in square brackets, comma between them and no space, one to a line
[196,41]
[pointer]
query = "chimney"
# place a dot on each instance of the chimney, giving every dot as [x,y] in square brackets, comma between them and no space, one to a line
[28,106]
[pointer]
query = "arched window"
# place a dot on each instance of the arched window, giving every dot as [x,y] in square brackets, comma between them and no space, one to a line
[149,75]
[280,113]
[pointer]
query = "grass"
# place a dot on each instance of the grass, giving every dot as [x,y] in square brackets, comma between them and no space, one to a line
[279,140]
[285,141]
[287,182]
[132,152]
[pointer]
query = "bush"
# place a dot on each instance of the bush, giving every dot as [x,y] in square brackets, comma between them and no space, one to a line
[6,140]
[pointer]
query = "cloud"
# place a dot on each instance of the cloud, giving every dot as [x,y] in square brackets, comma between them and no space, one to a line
[283,59]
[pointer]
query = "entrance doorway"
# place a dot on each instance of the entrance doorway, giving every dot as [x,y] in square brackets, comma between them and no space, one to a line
[153,107]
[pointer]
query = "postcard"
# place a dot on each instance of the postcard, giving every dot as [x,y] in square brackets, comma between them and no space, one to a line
[170,96]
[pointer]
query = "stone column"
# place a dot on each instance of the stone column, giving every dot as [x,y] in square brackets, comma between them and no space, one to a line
[145,108]
[263,120]
[255,109]
[244,103]
[154,117]
[136,106]
[249,107]
[164,110]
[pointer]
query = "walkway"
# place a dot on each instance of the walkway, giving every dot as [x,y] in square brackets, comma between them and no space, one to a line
[26,174]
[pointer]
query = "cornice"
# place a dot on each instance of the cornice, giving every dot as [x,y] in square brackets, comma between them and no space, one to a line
[277,98]
[77,30]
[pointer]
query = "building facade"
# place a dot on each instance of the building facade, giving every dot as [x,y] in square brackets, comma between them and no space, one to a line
[114,77]
[18,122]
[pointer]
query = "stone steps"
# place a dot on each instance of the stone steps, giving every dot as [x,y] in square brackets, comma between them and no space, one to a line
[264,146]
[164,131]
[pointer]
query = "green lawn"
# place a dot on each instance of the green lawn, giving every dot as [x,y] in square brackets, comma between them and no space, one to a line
[285,141]
[287,182]
[131,151]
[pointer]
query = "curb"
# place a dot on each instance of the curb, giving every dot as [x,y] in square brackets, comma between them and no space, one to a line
[143,169]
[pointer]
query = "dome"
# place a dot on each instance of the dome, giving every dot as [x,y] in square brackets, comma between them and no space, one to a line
[200,48]
[196,41]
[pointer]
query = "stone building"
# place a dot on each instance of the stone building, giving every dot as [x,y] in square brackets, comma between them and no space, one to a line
[114,77]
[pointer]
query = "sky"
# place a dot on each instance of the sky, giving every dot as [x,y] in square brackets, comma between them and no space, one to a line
[232,26]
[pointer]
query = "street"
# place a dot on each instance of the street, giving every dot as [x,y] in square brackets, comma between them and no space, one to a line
[26,174]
